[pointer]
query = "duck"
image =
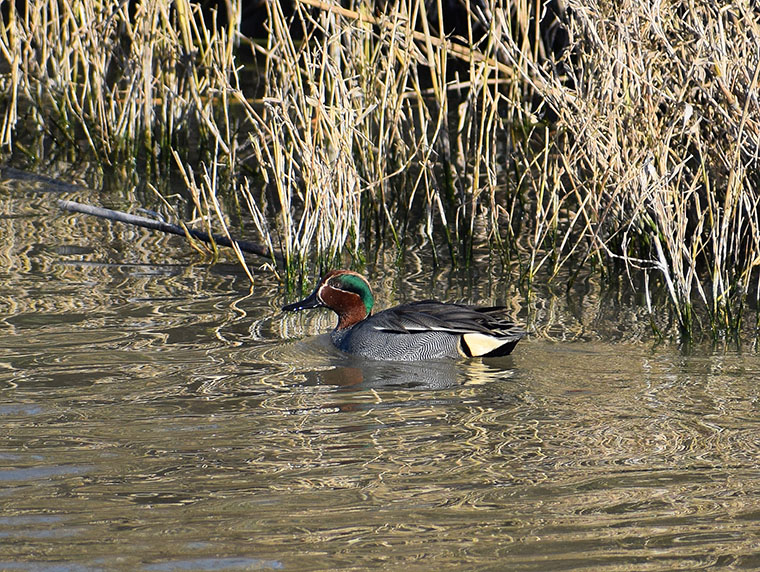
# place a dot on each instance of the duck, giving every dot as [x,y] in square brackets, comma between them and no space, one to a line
[415,331]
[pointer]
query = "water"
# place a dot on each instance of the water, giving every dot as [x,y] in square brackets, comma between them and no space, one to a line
[158,416]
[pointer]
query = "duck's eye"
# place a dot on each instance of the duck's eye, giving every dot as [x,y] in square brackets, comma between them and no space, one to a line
[340,285]
[347,284]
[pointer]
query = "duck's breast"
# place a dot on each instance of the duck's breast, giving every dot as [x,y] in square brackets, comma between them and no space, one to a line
[365,340]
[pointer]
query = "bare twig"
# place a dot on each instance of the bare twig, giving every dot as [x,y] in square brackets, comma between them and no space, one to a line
[153,224]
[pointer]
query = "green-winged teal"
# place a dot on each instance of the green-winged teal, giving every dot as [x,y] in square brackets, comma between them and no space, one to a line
[415,331]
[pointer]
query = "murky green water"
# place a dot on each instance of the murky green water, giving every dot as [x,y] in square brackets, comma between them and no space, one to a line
[155,416]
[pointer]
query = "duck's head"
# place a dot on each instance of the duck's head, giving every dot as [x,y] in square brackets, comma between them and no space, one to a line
[346,293]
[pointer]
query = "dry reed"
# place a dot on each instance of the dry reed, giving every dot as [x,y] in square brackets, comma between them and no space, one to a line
[630,146]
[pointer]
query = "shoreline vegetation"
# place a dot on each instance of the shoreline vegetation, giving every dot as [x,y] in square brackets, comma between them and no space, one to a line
[615,137]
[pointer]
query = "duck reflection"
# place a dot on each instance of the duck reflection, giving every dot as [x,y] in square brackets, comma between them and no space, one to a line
[365,374]
[318,363]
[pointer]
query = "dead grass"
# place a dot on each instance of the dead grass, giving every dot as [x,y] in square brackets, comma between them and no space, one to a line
[632,149]
[654,158]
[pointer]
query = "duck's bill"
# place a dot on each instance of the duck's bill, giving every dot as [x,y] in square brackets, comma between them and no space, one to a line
[305,304]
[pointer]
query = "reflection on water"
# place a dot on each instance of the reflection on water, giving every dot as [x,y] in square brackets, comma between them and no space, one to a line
[352,373]
[155,416]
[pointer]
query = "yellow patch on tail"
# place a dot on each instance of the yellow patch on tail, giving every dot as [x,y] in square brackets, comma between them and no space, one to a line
[481,344]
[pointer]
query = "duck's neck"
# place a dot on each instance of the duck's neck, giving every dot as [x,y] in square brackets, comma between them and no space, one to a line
[351,317]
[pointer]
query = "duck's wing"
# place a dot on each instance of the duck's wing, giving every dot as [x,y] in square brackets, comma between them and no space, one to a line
[456,319]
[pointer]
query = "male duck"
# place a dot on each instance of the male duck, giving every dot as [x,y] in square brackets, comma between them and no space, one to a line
[415,331]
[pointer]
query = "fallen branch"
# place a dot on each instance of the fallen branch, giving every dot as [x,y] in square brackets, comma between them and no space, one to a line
[153,224]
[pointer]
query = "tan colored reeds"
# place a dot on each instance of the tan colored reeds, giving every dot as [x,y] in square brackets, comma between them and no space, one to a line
[657,143]
[633,146]
[95,72]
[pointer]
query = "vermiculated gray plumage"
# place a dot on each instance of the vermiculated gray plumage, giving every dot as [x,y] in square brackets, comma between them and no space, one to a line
[429,330]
